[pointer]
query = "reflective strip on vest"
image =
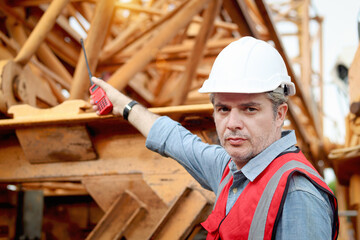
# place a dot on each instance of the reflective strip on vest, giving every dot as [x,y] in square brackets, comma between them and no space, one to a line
[257,228]
[222,185]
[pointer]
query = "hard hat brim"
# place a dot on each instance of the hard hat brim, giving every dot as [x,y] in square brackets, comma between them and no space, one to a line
[255,87]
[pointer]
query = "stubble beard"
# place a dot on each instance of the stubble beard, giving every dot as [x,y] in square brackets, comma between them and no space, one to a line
[241,158]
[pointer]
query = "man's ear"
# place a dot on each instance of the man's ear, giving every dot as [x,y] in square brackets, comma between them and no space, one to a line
[281,113]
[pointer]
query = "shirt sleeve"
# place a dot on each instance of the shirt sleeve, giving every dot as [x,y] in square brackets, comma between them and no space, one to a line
[307,212]
[203,161]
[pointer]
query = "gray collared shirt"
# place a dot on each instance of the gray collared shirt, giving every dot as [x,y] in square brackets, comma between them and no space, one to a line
[307,212]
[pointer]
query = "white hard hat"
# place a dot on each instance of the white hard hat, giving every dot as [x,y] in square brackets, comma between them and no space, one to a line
[248,65]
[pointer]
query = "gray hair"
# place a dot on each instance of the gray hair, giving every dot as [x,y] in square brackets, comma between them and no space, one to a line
[276,99]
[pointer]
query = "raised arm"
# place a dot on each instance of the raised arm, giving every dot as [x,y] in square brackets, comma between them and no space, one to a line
[141,118]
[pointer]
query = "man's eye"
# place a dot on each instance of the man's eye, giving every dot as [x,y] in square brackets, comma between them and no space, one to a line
[223,109]
[251,109]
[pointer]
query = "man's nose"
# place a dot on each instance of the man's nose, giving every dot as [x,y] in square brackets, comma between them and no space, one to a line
[235,121]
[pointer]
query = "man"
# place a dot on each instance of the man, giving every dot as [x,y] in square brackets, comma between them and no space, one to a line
[265,187]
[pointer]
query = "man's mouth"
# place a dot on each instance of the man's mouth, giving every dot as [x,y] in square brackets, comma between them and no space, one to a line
[235,140]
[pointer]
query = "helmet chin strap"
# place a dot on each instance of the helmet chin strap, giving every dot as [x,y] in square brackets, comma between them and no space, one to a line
[286,91]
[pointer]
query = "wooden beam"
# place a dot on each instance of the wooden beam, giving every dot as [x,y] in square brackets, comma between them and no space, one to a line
[50,74]
[170,50]
[105,189]
[17,32]
[122,41]
[187,209]
[74,111]
[239,14]
[10,11]
[137,63]
[52,62]
[139,9]
[304,47]
[64,24]
[219,24]
[20,85]
[43,27]
[118,218]
[48,144]
[354,200]
[56,188]
[55,88]
[354,77]
[93,44]
[197,52]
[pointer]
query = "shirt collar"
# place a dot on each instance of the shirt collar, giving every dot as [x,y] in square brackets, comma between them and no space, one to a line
[256,165]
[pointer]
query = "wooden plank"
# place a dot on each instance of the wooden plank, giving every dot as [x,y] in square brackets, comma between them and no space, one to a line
[53,63]
[345,164]
[218,24]
[55,89]
[121,77]
[354,193]
[111,137]
[51,75]
[304,47]
[354,200]
[26,3]
[16,31]
[197,53]
[5,53]
[139,9]
[354,78]
[138,87]
[43,27]
[182,216]
[239,15]
[186,46]
[56,188]
[20,84]
[118,218]
[342,196]
[29,81]
[56,144]
[9,11]
[93,44]
[106,189]
[64,25]
[119,41]
[74,111]
[55,40]
[132,34]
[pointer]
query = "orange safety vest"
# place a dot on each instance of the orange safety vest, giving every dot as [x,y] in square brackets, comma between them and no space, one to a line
[258,209]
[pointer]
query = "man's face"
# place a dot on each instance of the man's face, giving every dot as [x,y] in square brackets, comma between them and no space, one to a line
[245,124]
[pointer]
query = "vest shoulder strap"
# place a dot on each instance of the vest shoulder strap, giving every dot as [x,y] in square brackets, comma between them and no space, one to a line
[224,181]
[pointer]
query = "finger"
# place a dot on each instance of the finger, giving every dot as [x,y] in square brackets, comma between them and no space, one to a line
[98,81]
[105,86]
